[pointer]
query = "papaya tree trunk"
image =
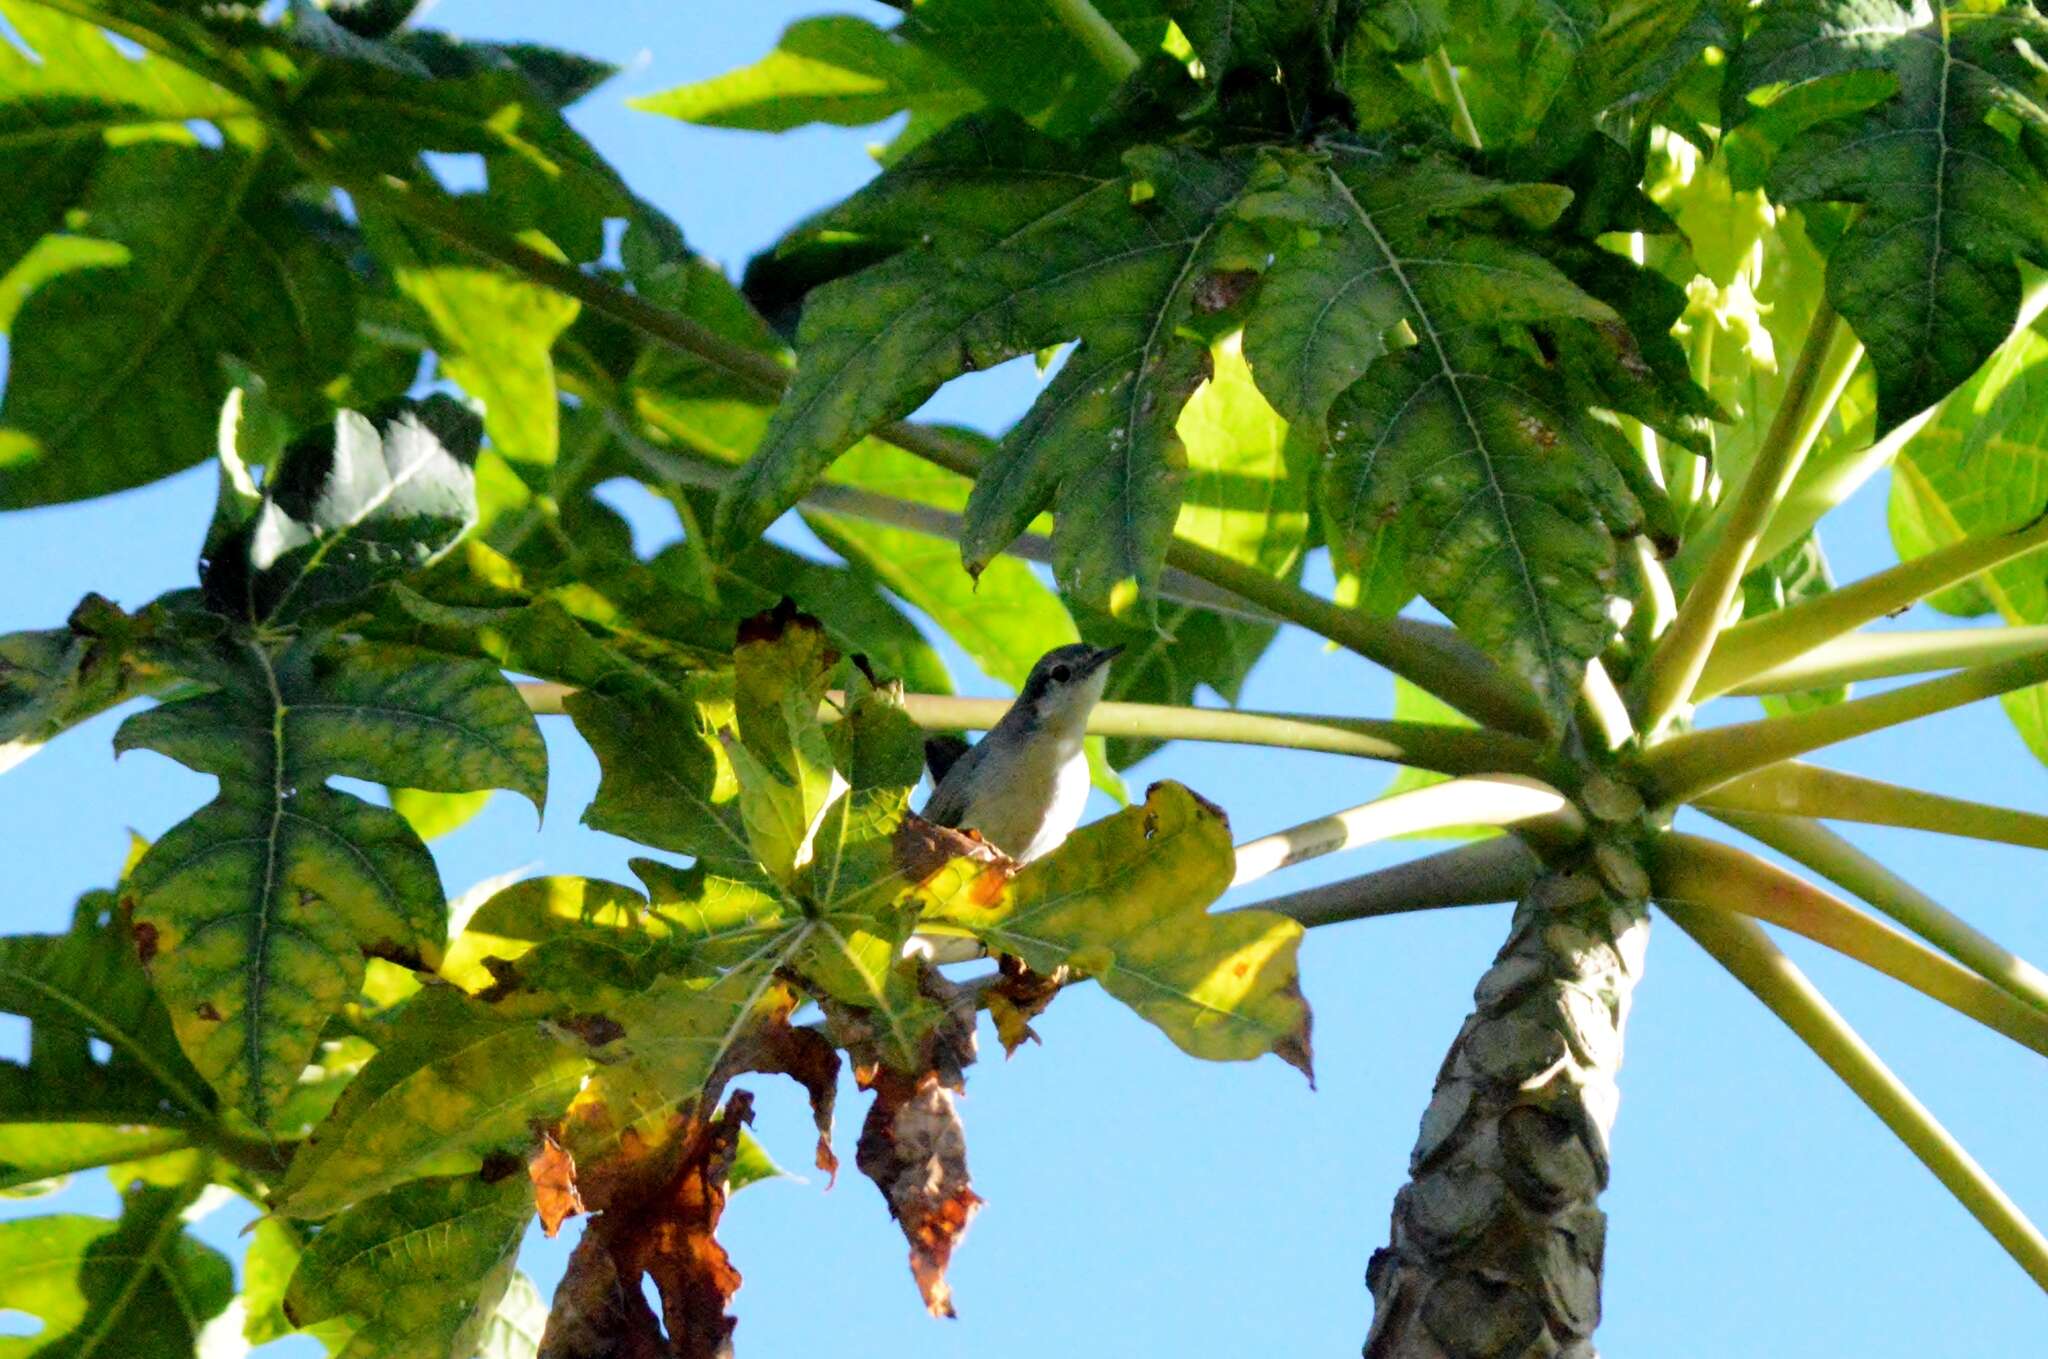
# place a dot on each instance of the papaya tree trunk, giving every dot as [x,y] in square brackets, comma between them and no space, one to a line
[1497,1237]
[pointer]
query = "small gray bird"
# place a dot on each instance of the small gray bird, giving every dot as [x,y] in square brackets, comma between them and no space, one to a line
[1023,786]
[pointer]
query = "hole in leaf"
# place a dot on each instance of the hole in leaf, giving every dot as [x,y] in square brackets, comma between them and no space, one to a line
[458,171]
[101,1050]
[206,133]
[13,1038]
[19,1323]
[134,51]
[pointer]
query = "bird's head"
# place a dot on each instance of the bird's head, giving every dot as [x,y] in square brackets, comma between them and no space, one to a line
[1063,687]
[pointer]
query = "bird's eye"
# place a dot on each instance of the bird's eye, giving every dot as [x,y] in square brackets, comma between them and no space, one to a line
[1060,674]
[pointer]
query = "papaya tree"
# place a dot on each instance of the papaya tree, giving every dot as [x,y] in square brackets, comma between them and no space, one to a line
[1559,330]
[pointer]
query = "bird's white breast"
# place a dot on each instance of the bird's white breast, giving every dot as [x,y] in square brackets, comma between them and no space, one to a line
[1063,812]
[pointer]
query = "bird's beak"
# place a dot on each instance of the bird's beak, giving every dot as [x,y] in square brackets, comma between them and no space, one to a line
[1103,656]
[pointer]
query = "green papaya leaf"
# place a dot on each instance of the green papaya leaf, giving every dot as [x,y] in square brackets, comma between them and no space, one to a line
[53,679]
[1229,35]
[84,985]
[1927,273]
[254,914]
[420,1271]
[1980,468]
[275,1245]
[1038,250]
[348,507]
[63,91]
[140,1283]
[499,102]
[214,250]
[37,1158]
[1125,901]
[458,1080]
[1247,499]
[433,815]
[495,332]
[832,68]
[1506,491]
[1027,59]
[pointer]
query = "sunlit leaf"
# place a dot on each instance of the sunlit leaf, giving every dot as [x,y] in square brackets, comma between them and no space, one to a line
[254,914]
[1125,902]
[419,1271]
[1926,274]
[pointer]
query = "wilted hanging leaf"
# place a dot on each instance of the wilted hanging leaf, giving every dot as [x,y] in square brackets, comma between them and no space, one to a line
[257,910]
[555,1194]
[418,1271]
[1125,901]
[915,1150]
[141,1282]
[349,507]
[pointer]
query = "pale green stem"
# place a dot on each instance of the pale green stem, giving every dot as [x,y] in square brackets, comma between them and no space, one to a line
[1688,765]
[1471,875]
[1817,380]
[1686,868]
[1828,854]
[1443,81]
[1422,745]
[1096,33]
[1883,655]
[1748,953]
[1478,800]
[1430,656]
[1818,494]
[1762,644]
[1797,789]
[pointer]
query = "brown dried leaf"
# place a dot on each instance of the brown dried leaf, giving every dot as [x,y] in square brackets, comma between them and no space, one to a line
[914,1148]
[668,1235]
[1019,996]
[595,1315]
[553,1172]
[807,1057]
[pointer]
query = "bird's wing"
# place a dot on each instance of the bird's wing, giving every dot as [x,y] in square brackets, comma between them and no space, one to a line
[941,753]
[948,802]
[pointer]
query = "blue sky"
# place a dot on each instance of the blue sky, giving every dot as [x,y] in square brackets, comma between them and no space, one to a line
[1139,1200]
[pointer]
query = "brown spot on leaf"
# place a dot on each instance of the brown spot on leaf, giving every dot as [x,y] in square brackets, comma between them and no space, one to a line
[145,940]
[914,1148]
[208,1012]
[595,1314]
[505,979]
[553,1172]
[498,1167]
[593,1029]
[773,624]
[405,955]
[1222,291]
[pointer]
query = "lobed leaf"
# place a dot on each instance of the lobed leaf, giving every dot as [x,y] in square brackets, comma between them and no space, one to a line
[140,1282]
[419,1272]
[1927,273]
[1125,901]
[1503,491]
[254,914]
